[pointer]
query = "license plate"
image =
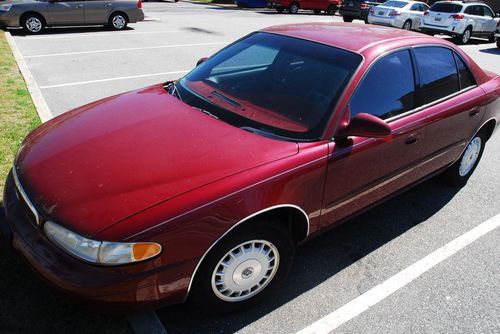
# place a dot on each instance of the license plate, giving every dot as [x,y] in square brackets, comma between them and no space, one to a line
[380,13]
[437,19]
[350,4]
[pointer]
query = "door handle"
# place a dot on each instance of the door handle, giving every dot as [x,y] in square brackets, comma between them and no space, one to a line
[108,5]
[474,112]
[79,6]
[411,140]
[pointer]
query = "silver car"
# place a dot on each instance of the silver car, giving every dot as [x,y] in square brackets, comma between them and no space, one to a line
[398,13]
[34,15]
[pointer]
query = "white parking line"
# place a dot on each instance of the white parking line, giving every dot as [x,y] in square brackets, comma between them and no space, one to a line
[401,279]
[96,34]
[124,49]
[112,79]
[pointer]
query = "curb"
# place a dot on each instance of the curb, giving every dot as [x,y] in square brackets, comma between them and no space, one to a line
[41,107]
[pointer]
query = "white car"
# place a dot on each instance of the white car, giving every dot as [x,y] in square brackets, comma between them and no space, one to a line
[460,19]
[497,35]
[398,13]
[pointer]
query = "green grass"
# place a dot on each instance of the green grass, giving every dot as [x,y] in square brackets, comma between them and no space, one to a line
[17,112]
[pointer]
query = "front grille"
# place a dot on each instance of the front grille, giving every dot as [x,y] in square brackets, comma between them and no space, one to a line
[25,203]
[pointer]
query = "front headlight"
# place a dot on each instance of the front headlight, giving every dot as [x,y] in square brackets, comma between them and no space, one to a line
[5,8]
[100,252]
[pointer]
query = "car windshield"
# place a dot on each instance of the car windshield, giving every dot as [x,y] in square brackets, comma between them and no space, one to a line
[446,7]
[280,85]
[395,4]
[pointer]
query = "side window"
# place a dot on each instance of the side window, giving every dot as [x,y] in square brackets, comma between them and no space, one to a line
[415,7]
[438,73]
[376,96]
[487,12]
[469,10]
[466,77]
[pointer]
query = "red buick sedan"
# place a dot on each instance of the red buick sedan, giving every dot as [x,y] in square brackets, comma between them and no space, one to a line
[202,188]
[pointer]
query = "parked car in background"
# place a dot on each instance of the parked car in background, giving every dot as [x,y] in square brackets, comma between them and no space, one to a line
[251,3]
[497,35]
[292,6]
[33,15]
[462,20]
[202,188]
[398,13]
[357,9]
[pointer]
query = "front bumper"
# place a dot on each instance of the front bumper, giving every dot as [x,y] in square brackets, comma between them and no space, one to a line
[122,288]
[385,21]
[355,13]
[9,19]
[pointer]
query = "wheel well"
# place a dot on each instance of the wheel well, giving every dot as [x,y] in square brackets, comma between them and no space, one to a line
[118,12]
[488,128]
[31,13]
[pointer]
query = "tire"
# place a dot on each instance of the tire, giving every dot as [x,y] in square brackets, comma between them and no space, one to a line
[293,8]
[280,9]
[465,37]
[33,23]
[331,10]
[317,11]
[347,18]
[498,43]
[407,25]
[210,292]
[118,21]
[491,38]
[458,173]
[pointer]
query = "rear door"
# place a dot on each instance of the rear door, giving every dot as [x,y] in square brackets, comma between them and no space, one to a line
[452,103]
[67,12]
[98,11]
[490,22]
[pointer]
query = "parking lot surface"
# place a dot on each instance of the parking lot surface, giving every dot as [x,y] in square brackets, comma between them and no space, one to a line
[461,294]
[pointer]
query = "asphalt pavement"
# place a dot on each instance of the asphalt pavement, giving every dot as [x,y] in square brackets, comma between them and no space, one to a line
[74,66]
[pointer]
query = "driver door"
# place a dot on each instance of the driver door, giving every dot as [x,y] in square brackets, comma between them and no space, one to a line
[67,12]
[362,171]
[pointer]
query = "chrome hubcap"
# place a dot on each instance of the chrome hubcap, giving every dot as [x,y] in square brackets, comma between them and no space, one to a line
[466,37]
[34,24]
[470,156]
[118,21]
[245,270]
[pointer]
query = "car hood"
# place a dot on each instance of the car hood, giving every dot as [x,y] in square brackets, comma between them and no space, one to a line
[99,164]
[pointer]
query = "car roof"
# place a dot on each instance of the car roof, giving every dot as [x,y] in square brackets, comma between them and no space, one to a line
[462,3]
[349,36]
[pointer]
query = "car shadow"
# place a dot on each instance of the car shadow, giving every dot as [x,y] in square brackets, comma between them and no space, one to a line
[325,256]
[66,30]
[495,51]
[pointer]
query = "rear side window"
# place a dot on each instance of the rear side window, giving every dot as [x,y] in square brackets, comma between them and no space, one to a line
[466,78]
[446,7]
[388,89]
[438,73]
[487,12]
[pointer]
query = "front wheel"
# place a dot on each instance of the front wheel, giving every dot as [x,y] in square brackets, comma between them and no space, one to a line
[280,9]
[331,10]
[293,8]
[347,18]
[33,23]
[245,268]
[118,21]
[458,173]
[407,25]
[317,11]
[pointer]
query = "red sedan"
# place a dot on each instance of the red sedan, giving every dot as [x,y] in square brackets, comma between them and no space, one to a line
[202,188]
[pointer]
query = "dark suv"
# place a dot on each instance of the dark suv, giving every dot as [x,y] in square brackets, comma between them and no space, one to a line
[357,9]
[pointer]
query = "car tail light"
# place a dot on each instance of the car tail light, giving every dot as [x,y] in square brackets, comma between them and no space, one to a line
[457,16]
[139,4]
[364,6]
[394,13]
[426,13]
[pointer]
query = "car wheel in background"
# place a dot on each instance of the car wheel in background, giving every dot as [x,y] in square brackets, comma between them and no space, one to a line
[498,42]
[293,8]
[347,18]
[32,23]
[491,38]
[458,173]
[118,21]
[407,25]
[317,11]
[332,9]
[465,37]
[280,9]
[244,268]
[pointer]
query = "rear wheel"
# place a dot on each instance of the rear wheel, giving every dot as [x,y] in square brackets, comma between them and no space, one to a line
[280,9]
[458,173]
[332,9]
[33,23]
[347,18]
[118,21]
[407,25]
[465,37]
[293,8]
[245,268]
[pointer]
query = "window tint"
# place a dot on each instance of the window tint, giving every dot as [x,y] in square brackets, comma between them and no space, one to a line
[466,78]
[488,12]
[395,4]
[388,88]
[446,7]
[438,73]
[415,7]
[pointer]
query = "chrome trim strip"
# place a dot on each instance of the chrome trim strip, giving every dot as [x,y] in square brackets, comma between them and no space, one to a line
[234,226]
[24,196]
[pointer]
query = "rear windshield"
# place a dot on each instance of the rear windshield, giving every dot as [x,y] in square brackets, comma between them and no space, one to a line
[395,4]
[446,7]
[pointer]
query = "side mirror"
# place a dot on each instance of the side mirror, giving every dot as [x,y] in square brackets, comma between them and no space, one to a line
[366,125]
[201,61]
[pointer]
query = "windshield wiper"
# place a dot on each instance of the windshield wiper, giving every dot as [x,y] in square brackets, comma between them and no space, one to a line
[206,112]
[172,89]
